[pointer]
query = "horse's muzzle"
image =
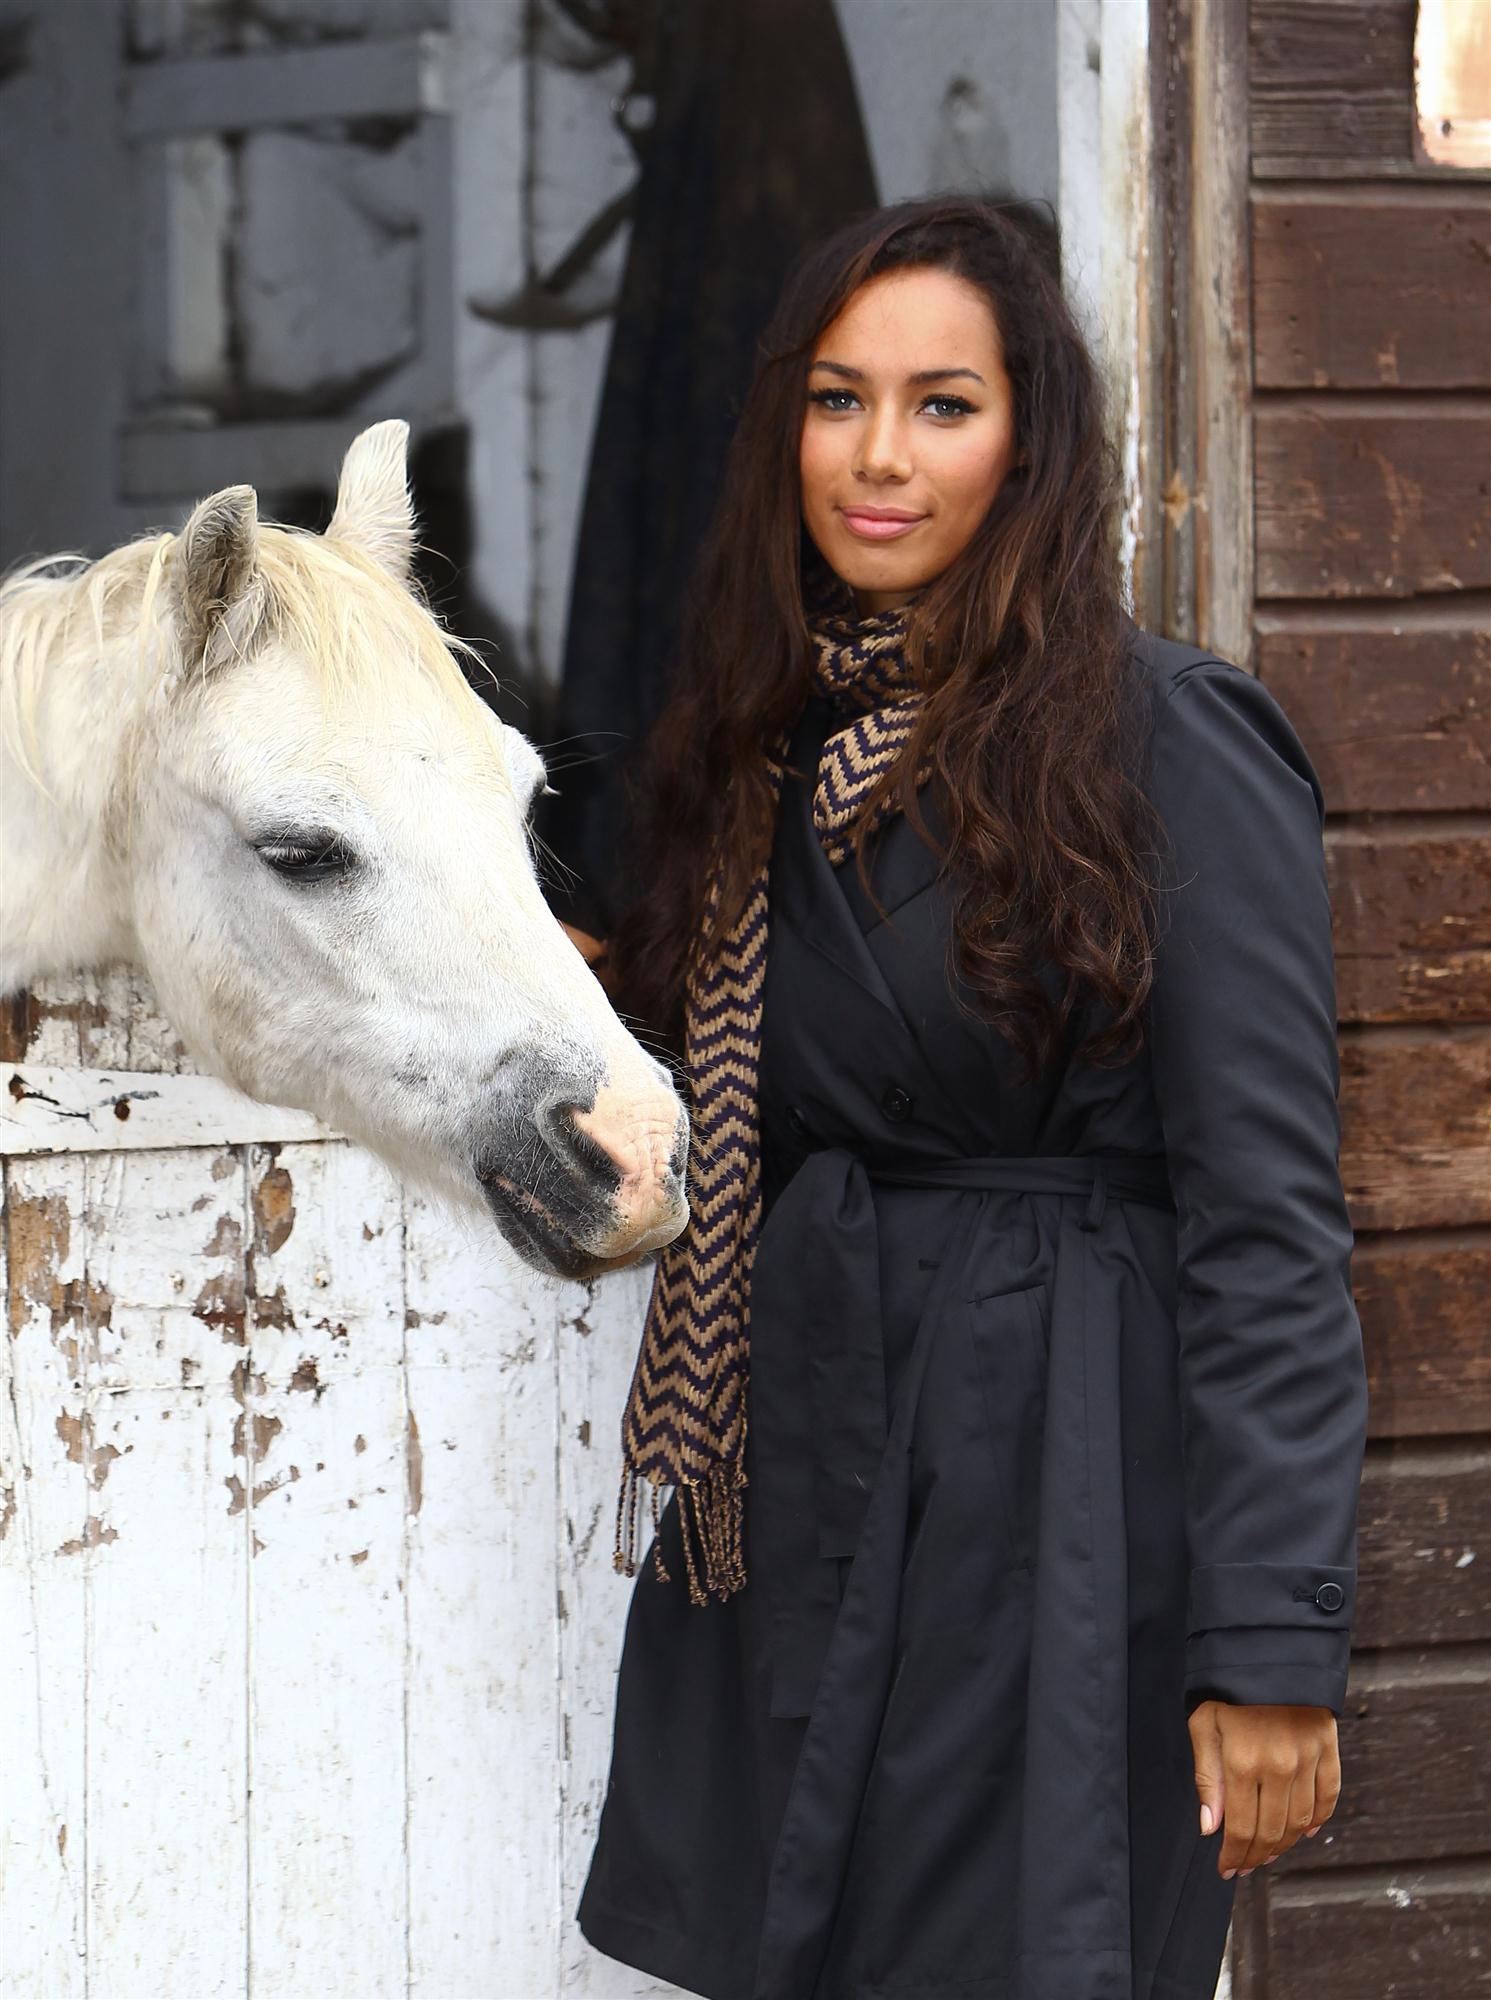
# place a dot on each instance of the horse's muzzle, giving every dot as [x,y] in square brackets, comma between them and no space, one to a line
[581,1177]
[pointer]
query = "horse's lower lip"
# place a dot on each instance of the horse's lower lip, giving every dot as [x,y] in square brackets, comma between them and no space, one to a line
[533,1230]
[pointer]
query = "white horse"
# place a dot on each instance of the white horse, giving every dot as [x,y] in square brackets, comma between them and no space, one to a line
[245,759]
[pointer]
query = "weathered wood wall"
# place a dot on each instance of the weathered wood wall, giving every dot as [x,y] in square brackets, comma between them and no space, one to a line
[307,1626]
[1371,443]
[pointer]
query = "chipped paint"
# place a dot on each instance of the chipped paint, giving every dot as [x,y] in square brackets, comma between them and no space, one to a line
[40,1235]
[415,1465]
[306,1378]
[272,1309]
[220,1303]
[95,1534]
[274,1210]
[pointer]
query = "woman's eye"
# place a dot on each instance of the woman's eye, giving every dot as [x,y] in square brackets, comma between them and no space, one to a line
[306,858]
[837,400]
[948,406]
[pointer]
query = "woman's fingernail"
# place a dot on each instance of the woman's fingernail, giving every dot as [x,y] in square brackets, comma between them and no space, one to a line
[1228,1873]
[1208,1820]
[1244,1873]
[1312,1833]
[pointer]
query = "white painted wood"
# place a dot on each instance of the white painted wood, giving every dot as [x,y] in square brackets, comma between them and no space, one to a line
[44,1504]
[598,1331]
[166,1639]
[402,77]
[323,1460]
[483,1702]
[47,1109]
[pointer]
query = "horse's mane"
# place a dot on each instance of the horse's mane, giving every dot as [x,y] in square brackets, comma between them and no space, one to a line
[361,632]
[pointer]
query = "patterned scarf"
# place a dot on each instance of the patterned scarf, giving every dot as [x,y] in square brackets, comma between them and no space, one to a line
[685,1419]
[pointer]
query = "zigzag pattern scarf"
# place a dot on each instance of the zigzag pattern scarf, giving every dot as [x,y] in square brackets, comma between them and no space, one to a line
[685,1419]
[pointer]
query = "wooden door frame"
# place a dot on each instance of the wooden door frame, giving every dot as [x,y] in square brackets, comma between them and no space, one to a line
[1198,373]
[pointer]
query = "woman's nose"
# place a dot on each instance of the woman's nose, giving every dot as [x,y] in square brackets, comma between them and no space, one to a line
[883,453]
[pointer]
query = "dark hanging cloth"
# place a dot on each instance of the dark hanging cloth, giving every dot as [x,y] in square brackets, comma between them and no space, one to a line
[757,147]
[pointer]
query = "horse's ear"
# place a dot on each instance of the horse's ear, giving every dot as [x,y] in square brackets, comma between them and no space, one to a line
[218,596]
[374,511]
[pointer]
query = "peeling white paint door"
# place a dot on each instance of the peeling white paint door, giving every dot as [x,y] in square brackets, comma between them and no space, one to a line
[307,1619]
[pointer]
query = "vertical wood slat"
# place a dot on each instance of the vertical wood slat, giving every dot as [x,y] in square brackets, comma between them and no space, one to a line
[166,1644]
[597,1345]
[44,1501]
[483,1703]
[326,1610]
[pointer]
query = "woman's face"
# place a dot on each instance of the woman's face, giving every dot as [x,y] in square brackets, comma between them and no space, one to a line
[909,432]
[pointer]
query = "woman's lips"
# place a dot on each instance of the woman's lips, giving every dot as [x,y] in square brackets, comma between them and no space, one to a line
[879,524]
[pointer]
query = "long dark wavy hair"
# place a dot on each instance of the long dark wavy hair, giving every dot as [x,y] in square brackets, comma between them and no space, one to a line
[1021,645]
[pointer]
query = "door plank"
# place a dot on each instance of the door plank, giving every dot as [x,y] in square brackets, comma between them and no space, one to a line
[1357,500]
[1394,710]
[1330,311]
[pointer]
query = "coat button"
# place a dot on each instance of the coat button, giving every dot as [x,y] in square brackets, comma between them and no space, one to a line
[1330,1597]
[896,1104]
[796,1122]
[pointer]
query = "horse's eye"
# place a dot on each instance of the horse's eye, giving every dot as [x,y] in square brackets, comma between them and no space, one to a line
[305,858]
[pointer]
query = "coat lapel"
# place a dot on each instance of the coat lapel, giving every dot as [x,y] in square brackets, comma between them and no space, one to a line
[827,905]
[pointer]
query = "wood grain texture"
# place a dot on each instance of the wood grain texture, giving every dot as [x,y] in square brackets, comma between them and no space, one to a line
[1331,311]
[1425,1309]
[1401,1933]
[1394,711]
[1424,1530]
[167,1582]
[1416,1785]
[1331,90]
[483,1688]
[306,1601]
[1412,913]
[45,1505]
[1358,500]
[1416,1127]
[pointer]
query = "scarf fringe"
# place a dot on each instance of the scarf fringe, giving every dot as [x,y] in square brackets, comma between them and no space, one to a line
[711,1518]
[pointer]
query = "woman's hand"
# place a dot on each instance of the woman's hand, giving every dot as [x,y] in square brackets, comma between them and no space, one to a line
[1270,1774]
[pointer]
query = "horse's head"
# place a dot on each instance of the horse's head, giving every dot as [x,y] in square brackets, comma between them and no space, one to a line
[334,891]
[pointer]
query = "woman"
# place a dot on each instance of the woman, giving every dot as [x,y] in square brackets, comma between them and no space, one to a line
[1008,1378]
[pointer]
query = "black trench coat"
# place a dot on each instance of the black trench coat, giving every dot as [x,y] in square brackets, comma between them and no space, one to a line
[1057,1408]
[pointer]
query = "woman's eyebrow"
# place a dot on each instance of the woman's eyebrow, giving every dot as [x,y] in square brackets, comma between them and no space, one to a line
[922,376]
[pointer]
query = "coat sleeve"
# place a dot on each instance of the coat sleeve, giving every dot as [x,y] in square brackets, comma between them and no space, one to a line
[1246,1072]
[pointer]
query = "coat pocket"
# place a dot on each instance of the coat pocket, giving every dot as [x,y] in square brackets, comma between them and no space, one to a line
[1009,1332]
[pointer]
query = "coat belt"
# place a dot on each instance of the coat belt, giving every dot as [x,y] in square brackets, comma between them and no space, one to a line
[818,1366]
[831,1479]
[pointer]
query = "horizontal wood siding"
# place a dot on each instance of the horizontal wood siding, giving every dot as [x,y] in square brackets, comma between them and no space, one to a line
[1330,310]
[1425,1300]
[1412,1735]
[1370,327]
[1331,93]
[1355,499]
[1388,1934]
[1396,709]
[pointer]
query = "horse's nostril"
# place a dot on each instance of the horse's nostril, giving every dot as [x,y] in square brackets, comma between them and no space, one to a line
[577,1148]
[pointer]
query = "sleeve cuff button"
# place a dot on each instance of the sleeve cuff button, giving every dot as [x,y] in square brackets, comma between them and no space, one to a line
[1330,1597]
